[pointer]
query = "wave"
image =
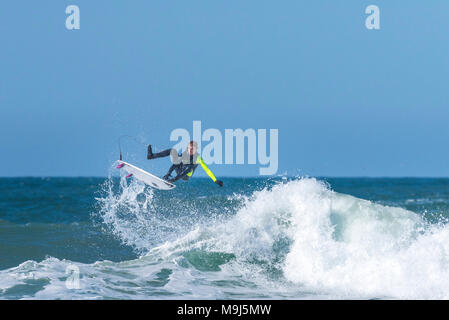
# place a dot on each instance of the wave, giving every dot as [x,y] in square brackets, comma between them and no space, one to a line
[296,239]
[304,234]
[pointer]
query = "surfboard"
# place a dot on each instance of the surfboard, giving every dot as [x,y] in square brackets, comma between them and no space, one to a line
[146,177]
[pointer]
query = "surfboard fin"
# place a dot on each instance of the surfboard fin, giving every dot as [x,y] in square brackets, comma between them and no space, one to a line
[129,175]
[121,165]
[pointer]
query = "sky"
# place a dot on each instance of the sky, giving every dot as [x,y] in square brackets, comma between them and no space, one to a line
[346,100]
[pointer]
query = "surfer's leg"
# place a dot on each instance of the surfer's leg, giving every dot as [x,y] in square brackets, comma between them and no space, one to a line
[173,167]
[180,173]
[161,154]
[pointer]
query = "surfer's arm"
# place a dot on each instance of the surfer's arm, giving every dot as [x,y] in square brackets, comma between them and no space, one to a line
[209,173]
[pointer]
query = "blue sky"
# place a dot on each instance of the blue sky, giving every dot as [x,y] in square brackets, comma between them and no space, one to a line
[347,101]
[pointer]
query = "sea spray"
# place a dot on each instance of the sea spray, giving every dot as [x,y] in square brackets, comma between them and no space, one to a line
[135,215]
[125,213]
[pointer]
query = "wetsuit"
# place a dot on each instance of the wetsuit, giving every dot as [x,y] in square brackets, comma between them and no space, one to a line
[183,164]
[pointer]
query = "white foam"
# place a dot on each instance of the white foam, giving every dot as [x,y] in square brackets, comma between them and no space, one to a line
[341,246]
[344,246]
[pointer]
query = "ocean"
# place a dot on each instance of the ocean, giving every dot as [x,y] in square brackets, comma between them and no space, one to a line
[255,238]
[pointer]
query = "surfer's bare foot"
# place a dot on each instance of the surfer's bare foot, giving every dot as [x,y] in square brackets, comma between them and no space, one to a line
[150,152]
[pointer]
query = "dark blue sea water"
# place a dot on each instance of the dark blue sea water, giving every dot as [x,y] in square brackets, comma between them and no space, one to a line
[288,238]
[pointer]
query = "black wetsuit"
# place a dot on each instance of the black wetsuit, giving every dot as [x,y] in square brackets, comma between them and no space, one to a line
[184,164]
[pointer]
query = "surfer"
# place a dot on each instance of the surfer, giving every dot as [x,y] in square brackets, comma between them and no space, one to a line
[183,164]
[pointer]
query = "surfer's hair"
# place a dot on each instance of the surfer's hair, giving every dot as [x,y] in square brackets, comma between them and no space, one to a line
[193,144]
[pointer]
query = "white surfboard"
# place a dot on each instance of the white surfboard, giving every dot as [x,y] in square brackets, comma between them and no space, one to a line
[145,177]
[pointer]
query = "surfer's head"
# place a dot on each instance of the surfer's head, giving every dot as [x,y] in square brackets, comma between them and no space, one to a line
[192,147]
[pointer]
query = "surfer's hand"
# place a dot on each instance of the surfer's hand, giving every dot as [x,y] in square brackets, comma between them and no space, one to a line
[166,177]
[219,182]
